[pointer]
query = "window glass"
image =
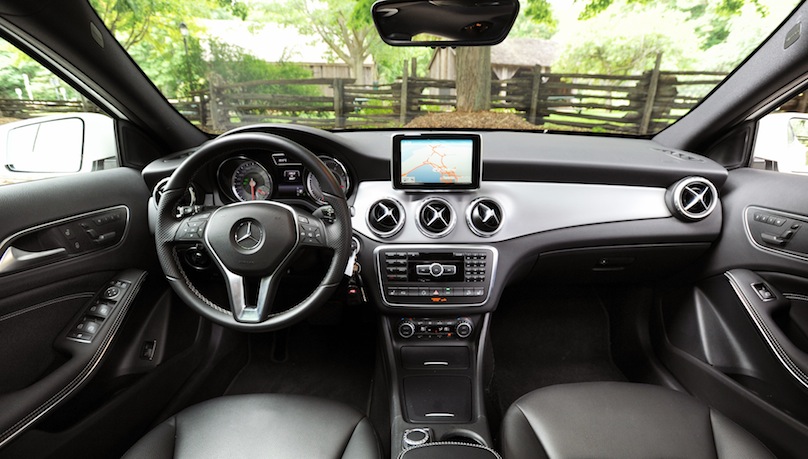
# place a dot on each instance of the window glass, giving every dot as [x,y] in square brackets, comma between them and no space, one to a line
[47,128]
[781,143]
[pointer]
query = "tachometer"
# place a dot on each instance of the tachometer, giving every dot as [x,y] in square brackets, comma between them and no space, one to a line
[336,168]
[251,182]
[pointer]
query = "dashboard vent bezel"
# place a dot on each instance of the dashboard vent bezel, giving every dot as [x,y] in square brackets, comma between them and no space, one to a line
[392,205]
[692,199]
[431,204]
[495,207]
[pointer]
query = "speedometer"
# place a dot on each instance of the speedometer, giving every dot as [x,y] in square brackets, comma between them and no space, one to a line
[251,182]
[339,172]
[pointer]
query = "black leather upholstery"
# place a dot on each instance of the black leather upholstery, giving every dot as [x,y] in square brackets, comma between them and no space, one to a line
[611,419]
[261,425]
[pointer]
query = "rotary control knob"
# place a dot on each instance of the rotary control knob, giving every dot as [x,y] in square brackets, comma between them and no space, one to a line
[415,437]
[406,329]
[464,328]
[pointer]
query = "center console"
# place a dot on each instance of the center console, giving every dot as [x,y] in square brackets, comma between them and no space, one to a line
[423,275]
[435,280]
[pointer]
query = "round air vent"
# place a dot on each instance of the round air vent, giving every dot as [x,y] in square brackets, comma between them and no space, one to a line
[692,198]
[484,217]
[386,217]
[435,217]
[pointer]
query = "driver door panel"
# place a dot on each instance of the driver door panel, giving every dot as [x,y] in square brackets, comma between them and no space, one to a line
[46,301]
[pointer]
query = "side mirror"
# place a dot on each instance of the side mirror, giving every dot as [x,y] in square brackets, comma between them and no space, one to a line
[47,146]
[444,22]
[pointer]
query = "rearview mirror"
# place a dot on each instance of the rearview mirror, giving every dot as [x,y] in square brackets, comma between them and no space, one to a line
[444,22]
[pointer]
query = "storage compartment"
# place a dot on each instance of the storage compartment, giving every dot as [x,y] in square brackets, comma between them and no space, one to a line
[617,263]
[438,398]
[434,357]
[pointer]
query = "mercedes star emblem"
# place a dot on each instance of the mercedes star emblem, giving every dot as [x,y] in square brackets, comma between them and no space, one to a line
[248,235]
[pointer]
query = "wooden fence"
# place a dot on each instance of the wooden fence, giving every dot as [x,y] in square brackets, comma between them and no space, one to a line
[637,104]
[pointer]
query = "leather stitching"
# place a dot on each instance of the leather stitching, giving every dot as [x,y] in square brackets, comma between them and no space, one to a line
[83,375]
[19,312]
[449,443]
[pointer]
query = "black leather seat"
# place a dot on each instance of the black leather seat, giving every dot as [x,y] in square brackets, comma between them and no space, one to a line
[261,425]
[620,420]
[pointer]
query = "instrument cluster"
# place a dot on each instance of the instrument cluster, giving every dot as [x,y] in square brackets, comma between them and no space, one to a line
[261,176]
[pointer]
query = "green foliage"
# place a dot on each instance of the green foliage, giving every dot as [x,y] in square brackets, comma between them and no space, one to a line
[44,84]
[338,23]
[630,50]
[234,65]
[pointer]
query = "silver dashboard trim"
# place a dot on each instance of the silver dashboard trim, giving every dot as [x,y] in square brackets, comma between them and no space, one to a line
[532,207]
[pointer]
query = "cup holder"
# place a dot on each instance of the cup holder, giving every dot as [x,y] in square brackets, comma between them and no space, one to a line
[463,436]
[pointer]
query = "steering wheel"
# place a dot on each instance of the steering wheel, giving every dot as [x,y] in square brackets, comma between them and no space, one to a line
[252,243]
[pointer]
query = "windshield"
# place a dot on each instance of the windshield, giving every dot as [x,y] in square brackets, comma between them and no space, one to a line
[628,67]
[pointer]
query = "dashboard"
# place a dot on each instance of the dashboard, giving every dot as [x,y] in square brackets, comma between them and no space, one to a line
[443,221]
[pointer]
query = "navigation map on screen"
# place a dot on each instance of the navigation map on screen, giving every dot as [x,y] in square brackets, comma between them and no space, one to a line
[436,161]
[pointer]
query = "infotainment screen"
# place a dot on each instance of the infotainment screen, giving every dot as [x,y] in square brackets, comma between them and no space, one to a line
[436,162]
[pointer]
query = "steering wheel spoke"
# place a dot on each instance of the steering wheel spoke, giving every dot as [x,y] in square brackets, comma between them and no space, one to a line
[239,292]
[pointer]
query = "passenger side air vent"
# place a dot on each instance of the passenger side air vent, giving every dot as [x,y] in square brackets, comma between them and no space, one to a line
[435,217]
[692,198]
[386,217]
[484,217]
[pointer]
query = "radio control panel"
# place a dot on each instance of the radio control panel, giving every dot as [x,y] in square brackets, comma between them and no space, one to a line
[435,276]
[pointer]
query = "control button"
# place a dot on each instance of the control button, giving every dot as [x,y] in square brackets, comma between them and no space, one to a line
[449,270]
[763,292]
[81,336]
[795,226]
[406,329]
[112,292]
[479,291]
[91,327]
[422,270]
[779,221]
[468,292]
[464,328]
[436,269]
[68,232]
[101,310]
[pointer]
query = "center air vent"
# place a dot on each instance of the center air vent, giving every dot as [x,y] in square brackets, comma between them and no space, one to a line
[484,217]
[386,217]
[692,198]
[436,217]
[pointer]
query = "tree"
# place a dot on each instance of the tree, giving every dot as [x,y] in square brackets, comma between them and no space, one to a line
[136,21]
[332,22]
[596,47]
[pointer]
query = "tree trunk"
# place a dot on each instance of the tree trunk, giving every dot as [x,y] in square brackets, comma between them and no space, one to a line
[473,79]
[358,70]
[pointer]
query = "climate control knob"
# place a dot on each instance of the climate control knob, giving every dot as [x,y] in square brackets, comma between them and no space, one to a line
[464,328]
[406,329]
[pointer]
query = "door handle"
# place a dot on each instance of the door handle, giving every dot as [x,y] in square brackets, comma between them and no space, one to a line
[15,259]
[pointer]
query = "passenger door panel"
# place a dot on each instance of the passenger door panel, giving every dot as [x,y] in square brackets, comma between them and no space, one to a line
[737,338]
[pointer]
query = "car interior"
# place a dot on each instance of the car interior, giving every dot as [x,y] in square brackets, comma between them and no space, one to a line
[281,290]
